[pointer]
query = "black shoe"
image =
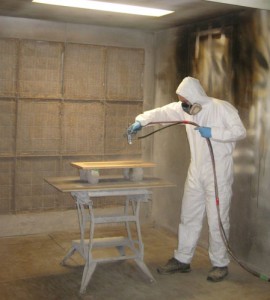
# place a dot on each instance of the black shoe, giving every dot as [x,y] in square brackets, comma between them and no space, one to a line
[174,266]
[217,274]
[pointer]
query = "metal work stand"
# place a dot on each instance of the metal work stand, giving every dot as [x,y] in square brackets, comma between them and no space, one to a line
[87,220]
[90,185]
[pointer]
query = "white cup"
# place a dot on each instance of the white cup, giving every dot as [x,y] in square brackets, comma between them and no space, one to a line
[92,176]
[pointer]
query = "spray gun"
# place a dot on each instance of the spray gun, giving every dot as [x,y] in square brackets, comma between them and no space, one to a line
[132,130]
[129,135]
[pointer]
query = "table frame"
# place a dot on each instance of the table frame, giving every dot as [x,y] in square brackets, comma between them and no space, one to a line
[85,193]
[84,202]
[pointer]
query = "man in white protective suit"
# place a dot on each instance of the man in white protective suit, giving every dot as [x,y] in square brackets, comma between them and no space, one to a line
[219,121]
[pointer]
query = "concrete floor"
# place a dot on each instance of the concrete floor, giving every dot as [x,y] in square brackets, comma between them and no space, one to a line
[30,269]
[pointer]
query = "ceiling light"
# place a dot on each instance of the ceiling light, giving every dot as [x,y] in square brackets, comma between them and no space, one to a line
[106,6]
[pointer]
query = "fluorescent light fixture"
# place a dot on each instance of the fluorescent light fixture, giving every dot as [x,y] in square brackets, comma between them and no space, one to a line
[107,6]
[260,4]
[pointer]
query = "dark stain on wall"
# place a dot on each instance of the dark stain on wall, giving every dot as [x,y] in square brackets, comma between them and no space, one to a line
[243,42]
[183,50]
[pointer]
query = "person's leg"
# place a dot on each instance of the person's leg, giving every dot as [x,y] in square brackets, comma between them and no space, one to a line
[217,250]
[192,213]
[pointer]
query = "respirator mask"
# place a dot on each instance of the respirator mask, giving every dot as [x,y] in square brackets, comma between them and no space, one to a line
[191,109]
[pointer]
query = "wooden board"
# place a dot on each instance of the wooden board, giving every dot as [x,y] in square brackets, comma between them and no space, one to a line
[74,184]
[122,164]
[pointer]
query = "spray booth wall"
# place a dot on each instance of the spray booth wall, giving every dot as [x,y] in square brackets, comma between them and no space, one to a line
[231,58]
[63,100]
[251,203]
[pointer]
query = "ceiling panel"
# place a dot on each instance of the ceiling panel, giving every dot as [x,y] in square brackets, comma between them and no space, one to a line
[186,11]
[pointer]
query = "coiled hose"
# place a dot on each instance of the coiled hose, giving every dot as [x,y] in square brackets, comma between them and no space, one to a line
[222,231]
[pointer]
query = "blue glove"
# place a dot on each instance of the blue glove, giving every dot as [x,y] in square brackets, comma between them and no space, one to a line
[134,127]
[205,132]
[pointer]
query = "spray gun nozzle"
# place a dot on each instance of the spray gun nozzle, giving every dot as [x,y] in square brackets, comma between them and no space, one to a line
[129,135]
[129,138]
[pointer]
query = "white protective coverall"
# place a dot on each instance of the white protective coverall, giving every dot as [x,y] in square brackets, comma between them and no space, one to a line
[199,194]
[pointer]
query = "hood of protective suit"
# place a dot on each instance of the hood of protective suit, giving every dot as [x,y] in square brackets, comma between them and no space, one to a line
[191,89]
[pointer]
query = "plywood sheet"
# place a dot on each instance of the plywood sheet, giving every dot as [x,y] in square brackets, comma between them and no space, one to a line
[31,192]
[83,128]
[123,164]
[84,69]
[125,74]
[8,66]
[6,185]
[40,69]
[118,117]
[73,184]
[38,127]
[7,127]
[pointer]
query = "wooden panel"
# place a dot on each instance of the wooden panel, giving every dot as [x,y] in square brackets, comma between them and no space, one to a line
[125,74]
[8,67]
[84,72]
[6,185]
[118,118]
[83,128]
[31,192]
[40,69]
[7,127]
[123,164]
[38,127]
[72,184]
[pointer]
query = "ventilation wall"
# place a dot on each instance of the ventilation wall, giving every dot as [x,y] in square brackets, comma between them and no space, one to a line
[62,102]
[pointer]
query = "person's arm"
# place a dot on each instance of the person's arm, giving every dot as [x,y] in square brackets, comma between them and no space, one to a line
[168,113]
[233,130]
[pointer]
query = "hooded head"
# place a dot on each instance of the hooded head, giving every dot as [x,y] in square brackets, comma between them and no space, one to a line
[191,89]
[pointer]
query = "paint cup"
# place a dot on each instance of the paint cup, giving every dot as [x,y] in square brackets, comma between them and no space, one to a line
[133,174]
[92,176]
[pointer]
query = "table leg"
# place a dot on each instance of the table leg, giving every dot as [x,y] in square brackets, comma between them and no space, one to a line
[135,201]
[145,269]
[88,271]
[68,255]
